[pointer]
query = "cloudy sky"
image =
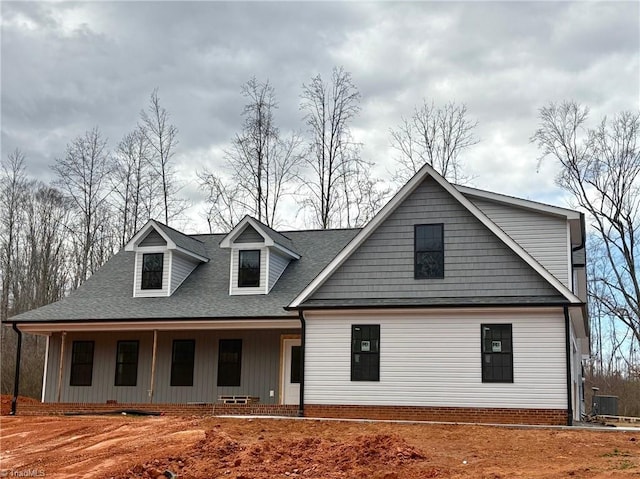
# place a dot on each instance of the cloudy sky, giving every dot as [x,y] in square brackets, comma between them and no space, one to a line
[67,67]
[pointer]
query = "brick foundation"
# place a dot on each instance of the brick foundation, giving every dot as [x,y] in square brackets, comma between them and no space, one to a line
[42,409]
[407,413]
[555,417]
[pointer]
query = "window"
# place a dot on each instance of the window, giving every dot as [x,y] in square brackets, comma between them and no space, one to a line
[497,353]
[295,364]
[81,363]
[152,270]
[365,352]
[249,268]
[429,251]
[182,362]
[127,363]
[229,362]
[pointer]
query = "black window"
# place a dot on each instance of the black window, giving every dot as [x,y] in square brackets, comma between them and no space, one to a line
[152,270]
[295,364]
[127,363]
[249,268]
[182,362]
[497,353]
[229,362]
[365,352]
[429,251]
[81,363]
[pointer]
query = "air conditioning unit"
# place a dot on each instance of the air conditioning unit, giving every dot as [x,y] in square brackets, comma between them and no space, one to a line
[605,405]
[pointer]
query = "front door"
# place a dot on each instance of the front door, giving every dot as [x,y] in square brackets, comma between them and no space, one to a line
[291,371]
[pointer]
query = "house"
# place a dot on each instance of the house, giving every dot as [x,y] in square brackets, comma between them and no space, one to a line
[452,304]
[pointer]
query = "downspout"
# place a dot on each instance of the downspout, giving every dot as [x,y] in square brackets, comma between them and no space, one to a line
[16,379]
[567,345]
[303,326]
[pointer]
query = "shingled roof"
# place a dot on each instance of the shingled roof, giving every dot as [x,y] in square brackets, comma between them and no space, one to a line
[107,295]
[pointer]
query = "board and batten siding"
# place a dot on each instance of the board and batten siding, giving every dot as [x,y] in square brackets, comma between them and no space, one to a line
[543,236]
[433,358]
[233,286]
[181,268]
[476,264]
[151,293]
[277,264]
[260,369]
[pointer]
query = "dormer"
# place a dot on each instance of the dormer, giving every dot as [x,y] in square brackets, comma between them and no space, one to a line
[259,256]
[164,259]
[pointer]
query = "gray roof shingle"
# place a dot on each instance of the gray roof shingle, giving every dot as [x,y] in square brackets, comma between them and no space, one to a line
[107,295]
[183,241]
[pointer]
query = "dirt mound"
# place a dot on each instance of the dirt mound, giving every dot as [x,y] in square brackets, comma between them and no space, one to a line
[5,405]
[218,454]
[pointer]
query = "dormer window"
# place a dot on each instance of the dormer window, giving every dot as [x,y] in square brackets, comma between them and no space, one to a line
[164,258]
[258,256]
[152,264]
[249,269]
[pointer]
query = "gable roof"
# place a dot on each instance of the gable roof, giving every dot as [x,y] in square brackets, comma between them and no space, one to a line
[175,240]
[271,236]
[391,206]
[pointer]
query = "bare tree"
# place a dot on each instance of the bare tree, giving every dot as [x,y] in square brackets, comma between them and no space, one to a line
[225,207]
[37,266]
[263,164]
[600,167]
[435,135]
[13,193]
[133,184]
[83,176]
[333,156]
[364,195]
[162,137]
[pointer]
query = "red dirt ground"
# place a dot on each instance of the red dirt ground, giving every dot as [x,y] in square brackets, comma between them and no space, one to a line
[144,447]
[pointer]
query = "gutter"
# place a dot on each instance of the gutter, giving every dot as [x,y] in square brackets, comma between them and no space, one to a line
[567,344]
[16,379]
[583,244]
[583,233]
[303,325]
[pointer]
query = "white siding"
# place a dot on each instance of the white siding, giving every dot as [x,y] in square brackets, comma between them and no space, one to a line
[433,358]
[181,268]
[151,293]
[543,236]
[277,265]
[233,286]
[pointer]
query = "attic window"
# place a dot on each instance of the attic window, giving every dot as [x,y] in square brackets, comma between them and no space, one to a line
[249,268]
[152,264]
[429,251]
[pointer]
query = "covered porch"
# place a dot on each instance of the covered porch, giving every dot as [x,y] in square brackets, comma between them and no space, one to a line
[234,366]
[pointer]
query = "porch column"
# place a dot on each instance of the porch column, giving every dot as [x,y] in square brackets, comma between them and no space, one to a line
[153,364]
[64,335]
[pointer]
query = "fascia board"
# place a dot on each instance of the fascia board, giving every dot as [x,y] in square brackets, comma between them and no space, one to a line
[192,254]
[519,202]
[133,242]
[176,325]
[286,251]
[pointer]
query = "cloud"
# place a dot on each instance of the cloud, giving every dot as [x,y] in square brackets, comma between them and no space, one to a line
[67,67]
